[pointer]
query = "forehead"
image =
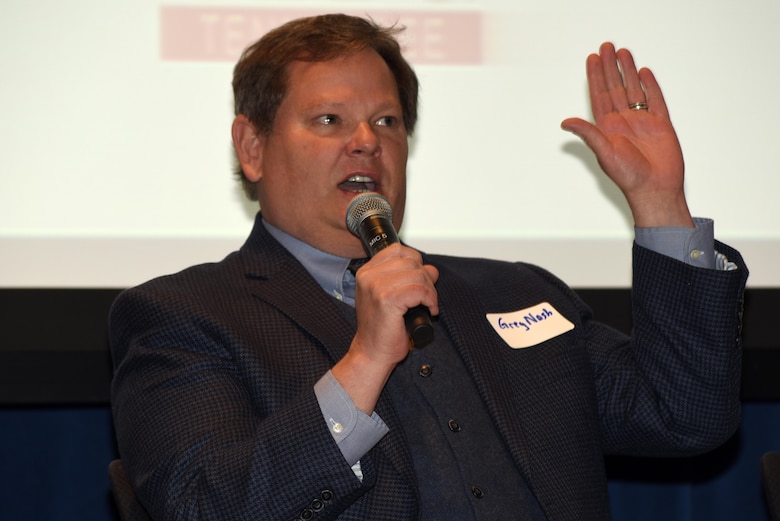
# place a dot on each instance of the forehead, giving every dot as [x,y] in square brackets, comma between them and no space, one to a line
[364,72]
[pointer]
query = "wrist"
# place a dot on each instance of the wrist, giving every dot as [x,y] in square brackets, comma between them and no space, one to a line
[362,378]
[661,212]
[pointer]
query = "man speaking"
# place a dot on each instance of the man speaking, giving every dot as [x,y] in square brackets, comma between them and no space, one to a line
[281,383]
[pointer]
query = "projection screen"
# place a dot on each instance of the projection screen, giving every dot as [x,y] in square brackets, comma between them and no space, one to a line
[116,155]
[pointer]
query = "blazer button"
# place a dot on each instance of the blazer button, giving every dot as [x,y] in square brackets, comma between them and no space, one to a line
[478,492]
[453,425]
[326,495]
[307,514]
[425,371]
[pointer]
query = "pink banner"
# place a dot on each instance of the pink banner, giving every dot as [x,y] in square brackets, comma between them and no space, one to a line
[220,34]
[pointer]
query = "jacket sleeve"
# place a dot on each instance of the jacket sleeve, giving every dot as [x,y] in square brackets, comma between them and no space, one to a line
[208,431]
[673,388]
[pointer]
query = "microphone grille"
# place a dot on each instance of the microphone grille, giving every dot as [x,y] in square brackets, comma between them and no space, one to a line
[366,205]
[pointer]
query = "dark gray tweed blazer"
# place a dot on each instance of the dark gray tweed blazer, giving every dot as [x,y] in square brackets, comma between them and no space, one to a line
[216,418]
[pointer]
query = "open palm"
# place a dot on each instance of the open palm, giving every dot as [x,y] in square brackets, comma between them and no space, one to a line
[637,149]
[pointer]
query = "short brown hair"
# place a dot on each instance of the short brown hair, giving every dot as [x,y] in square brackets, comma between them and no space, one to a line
[260,76]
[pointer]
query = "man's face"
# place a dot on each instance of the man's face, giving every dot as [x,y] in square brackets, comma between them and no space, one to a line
[338,131]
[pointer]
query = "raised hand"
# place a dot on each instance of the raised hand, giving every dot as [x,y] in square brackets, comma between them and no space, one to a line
[633,138]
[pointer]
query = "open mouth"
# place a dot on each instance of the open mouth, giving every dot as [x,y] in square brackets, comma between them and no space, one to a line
[359,183]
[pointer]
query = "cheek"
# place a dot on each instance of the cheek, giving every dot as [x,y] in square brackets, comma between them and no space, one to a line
[395,151]
[292,167]
[311,162]
[397,157]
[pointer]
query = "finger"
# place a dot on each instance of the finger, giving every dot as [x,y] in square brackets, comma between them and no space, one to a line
[397,250]
[405,290]
[589,134]
[387,274]
[655,98]
[600,99]
[613,77]
[633,86]
[433,275]
[433,272]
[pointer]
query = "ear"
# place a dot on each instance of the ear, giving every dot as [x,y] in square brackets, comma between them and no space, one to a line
[249,147]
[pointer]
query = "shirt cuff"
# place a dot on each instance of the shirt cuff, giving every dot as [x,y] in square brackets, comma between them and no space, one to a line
[693,246]
[354,431]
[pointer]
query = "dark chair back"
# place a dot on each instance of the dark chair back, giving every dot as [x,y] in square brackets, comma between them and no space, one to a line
[124,496]
[770,479]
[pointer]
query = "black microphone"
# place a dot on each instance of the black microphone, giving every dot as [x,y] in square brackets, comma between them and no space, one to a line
[370,217]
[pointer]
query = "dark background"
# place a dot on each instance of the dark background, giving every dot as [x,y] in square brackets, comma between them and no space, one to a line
[56,437]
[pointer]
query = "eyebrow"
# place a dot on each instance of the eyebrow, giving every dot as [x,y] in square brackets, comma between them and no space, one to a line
[325,104]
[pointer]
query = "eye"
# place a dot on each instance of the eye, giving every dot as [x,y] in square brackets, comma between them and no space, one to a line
[327,119]
[387,121]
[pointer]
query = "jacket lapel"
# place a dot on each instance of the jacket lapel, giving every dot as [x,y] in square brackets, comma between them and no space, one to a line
[281,281]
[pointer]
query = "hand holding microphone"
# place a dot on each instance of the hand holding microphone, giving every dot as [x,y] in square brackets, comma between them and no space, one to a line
[370,217]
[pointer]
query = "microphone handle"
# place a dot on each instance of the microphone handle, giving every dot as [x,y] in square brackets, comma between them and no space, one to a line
[419,326]
[377,233]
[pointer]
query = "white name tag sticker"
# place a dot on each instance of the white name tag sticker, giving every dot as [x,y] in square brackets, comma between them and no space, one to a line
[531,326]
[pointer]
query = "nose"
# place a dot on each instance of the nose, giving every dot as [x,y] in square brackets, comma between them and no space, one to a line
[364,141]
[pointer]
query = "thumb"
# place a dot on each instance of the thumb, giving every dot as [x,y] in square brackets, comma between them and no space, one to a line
[587,132]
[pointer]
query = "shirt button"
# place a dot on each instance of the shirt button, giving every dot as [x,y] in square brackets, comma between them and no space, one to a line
[695,254]
[478,492]
[425,371]
[338,428]
[453,425]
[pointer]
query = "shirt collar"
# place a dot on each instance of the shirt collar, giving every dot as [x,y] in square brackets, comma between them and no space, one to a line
[328,270]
